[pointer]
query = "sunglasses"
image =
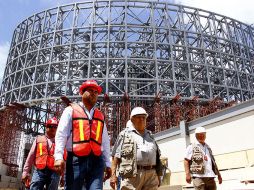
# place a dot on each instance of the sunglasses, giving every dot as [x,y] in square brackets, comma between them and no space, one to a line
[52,126]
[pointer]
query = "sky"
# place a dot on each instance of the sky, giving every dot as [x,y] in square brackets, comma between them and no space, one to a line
[12,12]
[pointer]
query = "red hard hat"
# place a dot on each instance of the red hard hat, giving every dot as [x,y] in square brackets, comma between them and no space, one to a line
[52,121]
[89,83]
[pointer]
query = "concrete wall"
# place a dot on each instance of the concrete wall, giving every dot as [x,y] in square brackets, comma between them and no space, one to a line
[7,181]
[230,135]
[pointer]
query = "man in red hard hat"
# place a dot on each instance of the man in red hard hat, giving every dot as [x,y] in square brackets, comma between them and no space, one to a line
[41,155]
[83,132]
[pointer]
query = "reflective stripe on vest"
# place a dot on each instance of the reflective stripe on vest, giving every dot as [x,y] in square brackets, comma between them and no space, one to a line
[44,154]
[86,134]
[40,148]
[98,131]
[81,130]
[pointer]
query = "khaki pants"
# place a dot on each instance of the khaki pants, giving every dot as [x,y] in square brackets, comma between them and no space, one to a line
[204,183]
[145,180]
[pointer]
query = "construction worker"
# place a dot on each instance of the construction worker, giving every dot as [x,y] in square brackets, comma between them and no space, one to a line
[41,155]
[83,132]
[137,155]
[199,163]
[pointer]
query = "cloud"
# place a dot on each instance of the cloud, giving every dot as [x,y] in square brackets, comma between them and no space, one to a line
[242,11]
[4,50]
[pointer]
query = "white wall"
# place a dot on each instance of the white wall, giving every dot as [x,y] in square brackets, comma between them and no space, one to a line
[230,134]
[173,151]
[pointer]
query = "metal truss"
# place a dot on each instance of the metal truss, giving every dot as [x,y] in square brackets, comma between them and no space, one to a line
[141,48]
[177,62]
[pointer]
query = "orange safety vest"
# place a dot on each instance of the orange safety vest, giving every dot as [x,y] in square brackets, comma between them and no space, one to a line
[86,134]
[45,154]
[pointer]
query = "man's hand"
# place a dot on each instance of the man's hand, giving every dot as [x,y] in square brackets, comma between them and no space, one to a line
[26,180]
[220,179]
[62,181]
[108,173]
[59,166]
[159,179]
[188,178]
[113,181]
[187,170]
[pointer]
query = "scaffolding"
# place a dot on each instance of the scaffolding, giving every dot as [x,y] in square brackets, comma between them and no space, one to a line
[12,119]
[178,62]
[18,118]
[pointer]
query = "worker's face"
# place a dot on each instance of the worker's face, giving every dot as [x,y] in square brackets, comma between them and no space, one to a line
[139,121]
[90,95]
[201,137]
[51,131]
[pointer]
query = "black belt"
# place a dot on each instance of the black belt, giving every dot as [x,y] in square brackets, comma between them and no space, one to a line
[203,177]
[145,167]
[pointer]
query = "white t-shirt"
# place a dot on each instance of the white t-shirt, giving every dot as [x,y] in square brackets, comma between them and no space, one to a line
[208,164]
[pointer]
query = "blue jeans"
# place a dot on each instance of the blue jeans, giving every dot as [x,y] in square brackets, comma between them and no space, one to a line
[87,171]
[44,177]
[118,182]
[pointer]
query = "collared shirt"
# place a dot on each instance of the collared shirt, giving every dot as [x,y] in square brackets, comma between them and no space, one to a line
[64,135]
[31,156]
[146,147]
[208,164]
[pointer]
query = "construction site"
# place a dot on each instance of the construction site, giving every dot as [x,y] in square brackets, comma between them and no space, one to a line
[179,63]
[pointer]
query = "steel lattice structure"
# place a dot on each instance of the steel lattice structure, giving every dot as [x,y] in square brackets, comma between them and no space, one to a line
[176,61]
[140,49]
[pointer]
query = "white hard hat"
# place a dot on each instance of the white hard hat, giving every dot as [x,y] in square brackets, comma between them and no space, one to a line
[138,111]
[200,130]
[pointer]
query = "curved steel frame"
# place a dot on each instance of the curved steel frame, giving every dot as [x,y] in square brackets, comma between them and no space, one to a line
[139,47]
[137,50]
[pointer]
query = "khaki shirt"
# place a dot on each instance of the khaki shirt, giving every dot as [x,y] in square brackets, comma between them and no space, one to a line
[146,146]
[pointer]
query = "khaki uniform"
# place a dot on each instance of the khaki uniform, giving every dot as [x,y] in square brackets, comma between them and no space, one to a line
[139,159]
